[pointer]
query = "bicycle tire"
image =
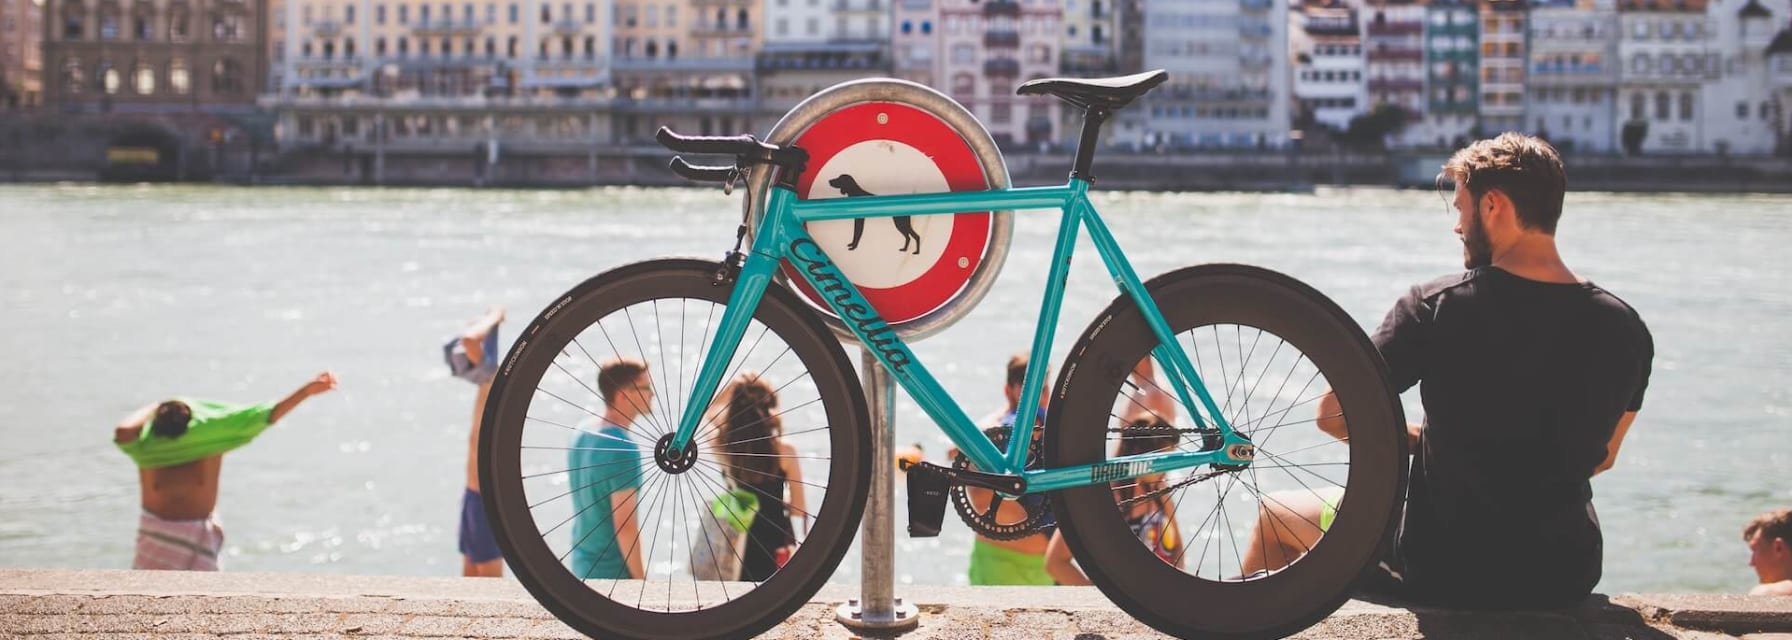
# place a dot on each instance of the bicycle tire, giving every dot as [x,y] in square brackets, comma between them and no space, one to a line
[525,546]
[1255,604]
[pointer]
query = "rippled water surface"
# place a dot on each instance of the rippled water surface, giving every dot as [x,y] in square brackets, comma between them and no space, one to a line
[112,297]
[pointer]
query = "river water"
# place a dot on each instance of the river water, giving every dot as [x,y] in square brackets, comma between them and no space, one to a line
[115,296]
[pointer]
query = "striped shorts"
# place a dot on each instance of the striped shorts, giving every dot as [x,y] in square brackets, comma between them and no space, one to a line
[178,545]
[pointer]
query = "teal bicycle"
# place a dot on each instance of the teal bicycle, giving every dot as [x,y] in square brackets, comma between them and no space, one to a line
[1248,357]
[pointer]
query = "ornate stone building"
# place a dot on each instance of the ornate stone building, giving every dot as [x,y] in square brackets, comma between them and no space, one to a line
[153,55]
[21,57]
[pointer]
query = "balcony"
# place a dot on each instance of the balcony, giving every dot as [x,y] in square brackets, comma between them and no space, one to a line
[1255,62]
[1403,28]
[1392,85]
[565,27]
[1394,54]
[1256,5]
[1001,67]
[1004,39]
[448,27]
[995,8]
[1253,30]
[326,28]
[858,6]
[725,29]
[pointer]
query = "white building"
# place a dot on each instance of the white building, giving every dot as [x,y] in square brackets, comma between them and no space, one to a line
[1737,110]
[1663,50]
[821,21]
[1327,51]
[1779,78]
[1228,65]
[1571,95]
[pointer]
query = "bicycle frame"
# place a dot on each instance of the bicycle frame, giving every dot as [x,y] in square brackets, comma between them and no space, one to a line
[782,236]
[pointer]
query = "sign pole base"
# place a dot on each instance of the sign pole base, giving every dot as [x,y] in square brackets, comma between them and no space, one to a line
[877,607]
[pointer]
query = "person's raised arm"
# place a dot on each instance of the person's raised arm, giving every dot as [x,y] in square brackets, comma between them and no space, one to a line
[1611,448]
[131,428]
[323,383]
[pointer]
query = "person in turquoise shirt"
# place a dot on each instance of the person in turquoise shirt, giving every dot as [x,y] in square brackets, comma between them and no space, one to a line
[178,447]
[604,530]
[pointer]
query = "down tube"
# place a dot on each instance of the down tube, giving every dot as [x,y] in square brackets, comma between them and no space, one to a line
[876,336]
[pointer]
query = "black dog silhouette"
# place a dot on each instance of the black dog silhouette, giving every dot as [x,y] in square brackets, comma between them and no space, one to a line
[851,189]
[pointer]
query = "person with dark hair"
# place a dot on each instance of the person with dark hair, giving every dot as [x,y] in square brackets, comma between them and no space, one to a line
[1020,561]
[1769,538]
[179,458]
[1151,518]
[473,356]
[755,457]
[1530,376]
[604,528]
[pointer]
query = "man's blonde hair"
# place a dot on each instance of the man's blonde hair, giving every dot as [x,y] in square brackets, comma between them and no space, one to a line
[1524,168]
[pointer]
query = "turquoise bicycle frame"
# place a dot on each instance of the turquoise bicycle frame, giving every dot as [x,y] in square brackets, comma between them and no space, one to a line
[782,236]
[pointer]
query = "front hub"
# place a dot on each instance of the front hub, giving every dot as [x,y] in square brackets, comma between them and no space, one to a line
[674,461]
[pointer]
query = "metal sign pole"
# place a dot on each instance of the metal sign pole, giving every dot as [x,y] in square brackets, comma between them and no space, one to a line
[877,607]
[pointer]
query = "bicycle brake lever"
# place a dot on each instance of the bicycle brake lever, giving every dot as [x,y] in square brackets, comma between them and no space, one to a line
[729,269]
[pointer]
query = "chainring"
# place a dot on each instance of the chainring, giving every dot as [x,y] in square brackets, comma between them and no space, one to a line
[1037,506]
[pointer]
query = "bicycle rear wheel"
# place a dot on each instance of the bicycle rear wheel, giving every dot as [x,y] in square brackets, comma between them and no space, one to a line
[544,410]
[1267,348]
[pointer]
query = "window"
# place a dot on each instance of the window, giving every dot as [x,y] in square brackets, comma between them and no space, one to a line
[491,47]
[566,47]
[963,53]
[179,79]
[423,14]
[1686,105]
[404,46]
[671,50]
[907,27]
[740,20]
[348,15]
[652,49]
[491,13]
[1661,105]
[423,47]
[590,13]
[379,46]
[109,23]
[1637,106]
[178,20]
[1765,115]
[379,14]
[140,27]
[1640,63]
[305,49]
[590,47]
[513,13]
[510,46]
[144,80]
[404,14]
[226,76]
[547,12]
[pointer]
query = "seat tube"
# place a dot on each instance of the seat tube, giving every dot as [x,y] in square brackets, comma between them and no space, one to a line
[1028,407]
[749,289]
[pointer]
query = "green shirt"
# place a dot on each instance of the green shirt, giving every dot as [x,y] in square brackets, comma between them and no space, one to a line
[216,427]
[601,464]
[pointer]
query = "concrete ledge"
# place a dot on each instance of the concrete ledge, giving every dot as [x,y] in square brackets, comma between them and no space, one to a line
[103,604]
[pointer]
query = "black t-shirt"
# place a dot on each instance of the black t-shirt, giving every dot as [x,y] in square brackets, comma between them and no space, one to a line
[1523,384]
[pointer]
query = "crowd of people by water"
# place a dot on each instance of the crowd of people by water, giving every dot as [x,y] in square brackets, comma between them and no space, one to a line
[1530,375]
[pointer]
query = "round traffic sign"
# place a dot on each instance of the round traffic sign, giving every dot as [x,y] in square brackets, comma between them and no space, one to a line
[889,137]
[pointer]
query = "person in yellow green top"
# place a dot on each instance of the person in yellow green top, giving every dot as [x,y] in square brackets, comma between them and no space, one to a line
[179,448]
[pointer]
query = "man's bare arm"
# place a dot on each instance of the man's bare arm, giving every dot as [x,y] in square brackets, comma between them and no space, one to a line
[323,383]
[1331,421]
[1611,448]
[622,505]
[131,427]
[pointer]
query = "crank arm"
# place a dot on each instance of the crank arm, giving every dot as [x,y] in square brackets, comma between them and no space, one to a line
[1011,485]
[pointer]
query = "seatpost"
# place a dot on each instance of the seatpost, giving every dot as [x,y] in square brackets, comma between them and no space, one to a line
[1085,146]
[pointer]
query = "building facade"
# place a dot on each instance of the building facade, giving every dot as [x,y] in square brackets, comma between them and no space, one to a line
[21,54]
[1662,48]
[1090,38]
[1394,54]
[1228,74]
[915,41]
[1737,107]
[152,55]
[1571,95]
[988,48]
[1327,51]
[1502,65]
[1452,74]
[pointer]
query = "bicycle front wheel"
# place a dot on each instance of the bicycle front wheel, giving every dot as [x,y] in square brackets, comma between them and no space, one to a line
[1222,551]
[555,484]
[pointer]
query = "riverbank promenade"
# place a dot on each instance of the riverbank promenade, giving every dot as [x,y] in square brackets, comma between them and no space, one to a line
[165,605]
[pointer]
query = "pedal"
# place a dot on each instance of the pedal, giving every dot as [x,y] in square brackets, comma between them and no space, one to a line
[926,501]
